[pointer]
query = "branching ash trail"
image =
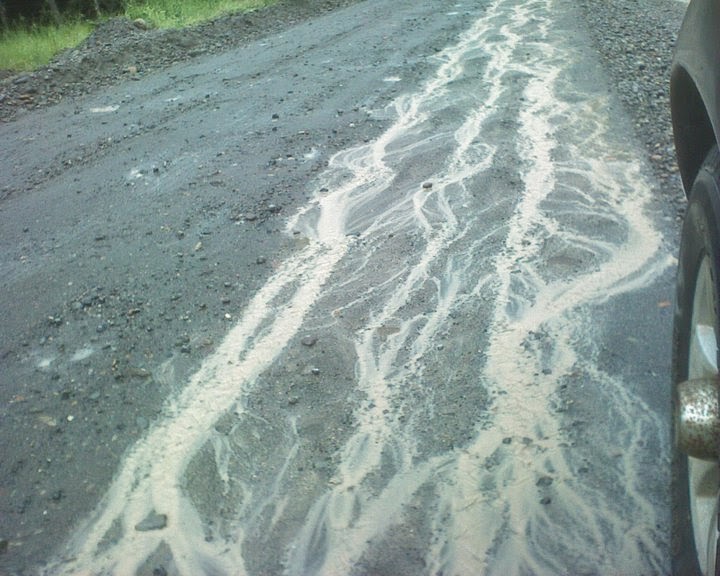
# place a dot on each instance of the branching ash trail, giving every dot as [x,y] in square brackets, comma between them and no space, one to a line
[458,262]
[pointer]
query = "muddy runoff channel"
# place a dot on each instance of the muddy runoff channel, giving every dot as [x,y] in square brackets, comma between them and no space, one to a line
[391,400]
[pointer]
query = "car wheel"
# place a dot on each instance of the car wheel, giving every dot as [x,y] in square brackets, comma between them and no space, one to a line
[695,478]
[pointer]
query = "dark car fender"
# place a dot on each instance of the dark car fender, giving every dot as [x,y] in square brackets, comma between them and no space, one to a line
[695,87]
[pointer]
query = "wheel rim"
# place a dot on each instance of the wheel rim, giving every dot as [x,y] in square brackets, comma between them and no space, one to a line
[703,475]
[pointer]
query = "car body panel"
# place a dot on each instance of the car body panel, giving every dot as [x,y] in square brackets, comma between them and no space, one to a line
[695,87]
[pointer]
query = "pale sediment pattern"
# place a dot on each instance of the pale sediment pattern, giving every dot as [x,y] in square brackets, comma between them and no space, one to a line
[575,234]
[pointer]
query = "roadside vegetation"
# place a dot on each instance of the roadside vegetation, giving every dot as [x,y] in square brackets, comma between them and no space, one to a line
[26,44]
[179,13]
[26,48]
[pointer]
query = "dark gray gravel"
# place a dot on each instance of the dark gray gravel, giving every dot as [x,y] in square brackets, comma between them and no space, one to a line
[636,40]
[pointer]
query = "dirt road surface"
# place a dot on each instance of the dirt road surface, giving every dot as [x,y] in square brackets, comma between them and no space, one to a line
[383,291]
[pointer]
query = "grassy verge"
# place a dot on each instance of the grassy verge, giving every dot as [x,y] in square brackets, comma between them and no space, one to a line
[23,49]
[26,49]
[179,13]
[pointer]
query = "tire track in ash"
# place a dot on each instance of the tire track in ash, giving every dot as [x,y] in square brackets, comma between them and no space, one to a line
[577,236]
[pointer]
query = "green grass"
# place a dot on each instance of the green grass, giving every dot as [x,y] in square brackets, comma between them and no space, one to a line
[27,49]
[23,49]
[180,13]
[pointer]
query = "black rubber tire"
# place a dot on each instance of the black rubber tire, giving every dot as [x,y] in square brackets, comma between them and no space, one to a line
[700,238]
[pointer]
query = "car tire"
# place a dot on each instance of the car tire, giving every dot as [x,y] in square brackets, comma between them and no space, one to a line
[695,337]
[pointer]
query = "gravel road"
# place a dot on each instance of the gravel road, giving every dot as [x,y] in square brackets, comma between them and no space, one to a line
[635,41]
[172,197]
[119,50]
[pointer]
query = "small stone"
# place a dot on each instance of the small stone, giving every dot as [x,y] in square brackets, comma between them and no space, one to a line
[544,481]
[140,24]
[153,521]
[260,260]
[545,501]
[427,185]
[309,340]
[315,371]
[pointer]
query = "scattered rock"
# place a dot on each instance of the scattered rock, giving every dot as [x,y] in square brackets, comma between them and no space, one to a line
[153,521]
[140,24]
[309,340]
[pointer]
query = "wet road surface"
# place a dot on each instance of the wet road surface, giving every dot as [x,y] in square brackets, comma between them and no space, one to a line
[384,294]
